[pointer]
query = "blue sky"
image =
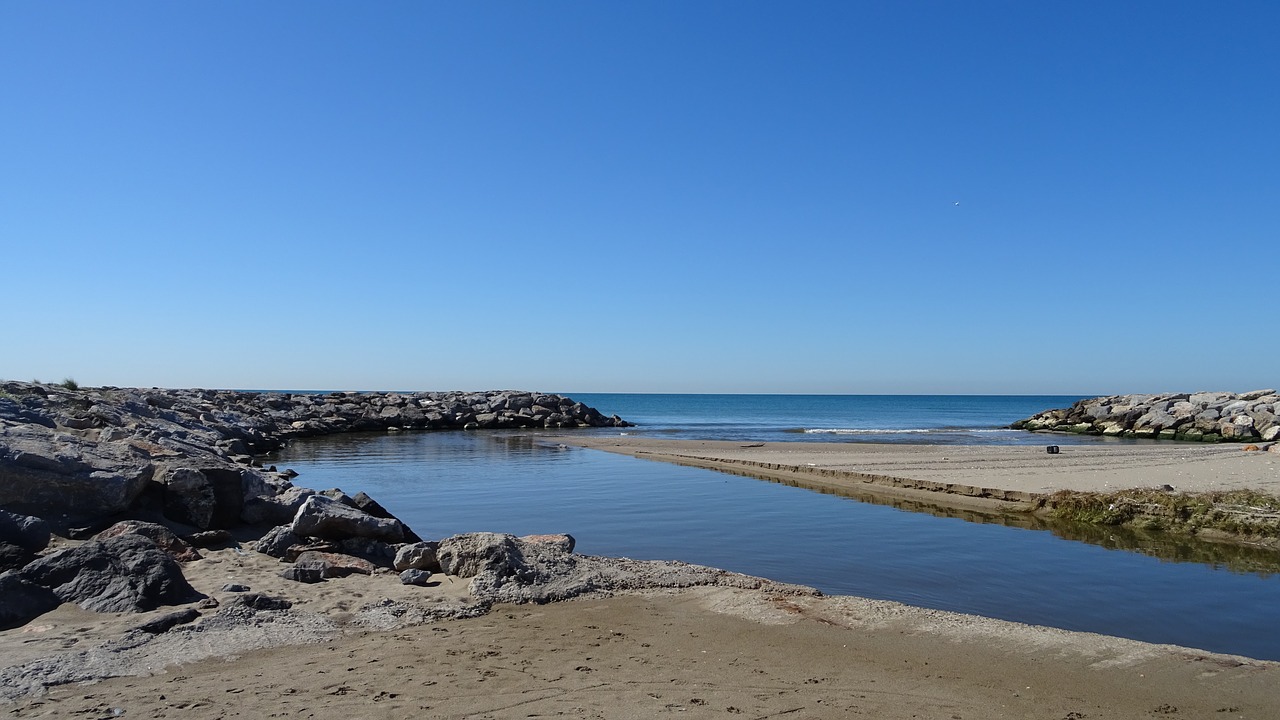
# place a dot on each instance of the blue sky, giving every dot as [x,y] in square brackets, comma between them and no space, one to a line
[844,197]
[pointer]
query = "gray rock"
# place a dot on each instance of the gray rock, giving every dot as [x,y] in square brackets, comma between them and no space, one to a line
[235,588]
[325,518]
[415,577]
[306,572]
[25,531]
[128,573]
[163,537]
[168,621]
[418,556]
[24,600]
[13,557]
[278,541]
[470,554]
[260,601]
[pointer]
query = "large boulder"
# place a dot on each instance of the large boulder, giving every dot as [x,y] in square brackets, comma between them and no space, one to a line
[48,473]
[325,518]
[25,531]
[470,554]
[129,573]
[163,537]
[210,497]
[23,601]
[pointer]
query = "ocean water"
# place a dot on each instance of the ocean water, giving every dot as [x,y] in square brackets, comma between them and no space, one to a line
[935,419]
[1158,589]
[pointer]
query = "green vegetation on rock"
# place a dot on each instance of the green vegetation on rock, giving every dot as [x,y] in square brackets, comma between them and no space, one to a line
[1238,512]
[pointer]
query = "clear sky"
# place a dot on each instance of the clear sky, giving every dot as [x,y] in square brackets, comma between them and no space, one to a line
[839,197]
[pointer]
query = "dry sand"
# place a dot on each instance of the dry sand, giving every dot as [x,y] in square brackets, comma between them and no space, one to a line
[704,652]
[966,476]
[345,652]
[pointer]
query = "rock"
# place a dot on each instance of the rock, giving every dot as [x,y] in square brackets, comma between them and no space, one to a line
[336,565]
[208,538]
[168,621]
[259,601]
[561,541]
[24,600]
[162,536]
[206,498]
[310,572]
[278,542]
[1256,394]
[278,508]
[129,573]
[417,556]
[1271,433]
[13,557]
[235,588]
[27,532]
[325,518]
[469,555]
[414,576]
[46,473]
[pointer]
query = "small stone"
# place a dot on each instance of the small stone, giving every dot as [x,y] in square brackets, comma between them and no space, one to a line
[235,588]
[304,573]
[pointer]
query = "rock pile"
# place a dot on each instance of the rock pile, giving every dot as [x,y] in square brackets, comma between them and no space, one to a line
[88,453]
[1201,416]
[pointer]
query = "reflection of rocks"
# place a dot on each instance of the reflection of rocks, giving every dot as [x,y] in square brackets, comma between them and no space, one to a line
[1202,417]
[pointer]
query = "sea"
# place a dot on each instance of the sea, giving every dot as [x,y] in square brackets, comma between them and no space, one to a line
[1152,587]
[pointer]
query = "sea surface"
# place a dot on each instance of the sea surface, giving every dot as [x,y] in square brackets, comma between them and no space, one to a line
[1150,587]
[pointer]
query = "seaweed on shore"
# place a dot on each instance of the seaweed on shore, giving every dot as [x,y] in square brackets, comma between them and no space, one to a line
[1241,513]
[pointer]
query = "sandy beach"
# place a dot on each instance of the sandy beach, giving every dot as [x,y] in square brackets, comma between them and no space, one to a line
[715,651]
[966,476]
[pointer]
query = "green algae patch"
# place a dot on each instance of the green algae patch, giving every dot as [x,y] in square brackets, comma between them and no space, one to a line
[1241,514]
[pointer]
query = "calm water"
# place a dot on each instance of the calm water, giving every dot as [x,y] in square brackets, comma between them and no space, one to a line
[937,419]
[1165,590]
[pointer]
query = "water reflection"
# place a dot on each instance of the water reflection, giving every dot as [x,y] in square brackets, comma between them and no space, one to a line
[1012,566]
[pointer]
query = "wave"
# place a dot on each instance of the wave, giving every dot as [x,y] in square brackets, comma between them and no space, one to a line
[899,431]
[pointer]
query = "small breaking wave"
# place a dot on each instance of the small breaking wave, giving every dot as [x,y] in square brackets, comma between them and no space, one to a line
[898,431]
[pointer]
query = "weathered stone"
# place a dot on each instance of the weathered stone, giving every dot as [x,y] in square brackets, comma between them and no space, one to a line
[13,557]
[208,538]
[311,572]
[418,556]
[23,600]
[260,601]
[128,573]
[325,518]
[467,555]
[25,531]
[163,537]
[335,565]
[415,577]
[168,621]
[561,541]
[278,541]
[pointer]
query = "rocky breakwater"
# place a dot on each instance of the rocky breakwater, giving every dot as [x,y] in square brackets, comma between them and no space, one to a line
[1202,416]
[104,492]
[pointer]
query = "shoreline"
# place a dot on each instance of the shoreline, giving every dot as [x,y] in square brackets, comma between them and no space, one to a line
[991,479]
[366,646]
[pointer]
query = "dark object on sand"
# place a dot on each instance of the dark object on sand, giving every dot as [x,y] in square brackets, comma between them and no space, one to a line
[1052,449]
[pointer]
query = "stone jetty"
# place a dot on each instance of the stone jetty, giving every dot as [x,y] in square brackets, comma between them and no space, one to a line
[146,477]
[1201,416]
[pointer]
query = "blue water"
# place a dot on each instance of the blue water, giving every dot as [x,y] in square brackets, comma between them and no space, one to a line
[935,419]
[453,482]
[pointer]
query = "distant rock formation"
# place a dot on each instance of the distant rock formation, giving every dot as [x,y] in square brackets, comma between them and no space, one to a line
[1201,416]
